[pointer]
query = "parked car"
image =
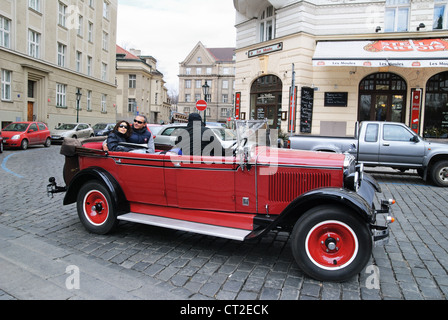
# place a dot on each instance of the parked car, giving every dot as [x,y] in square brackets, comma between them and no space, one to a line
[167,136]
[24,134]
[103,129]
[323,199]
[386,144]
[1,143]
[71,130]
[154,128]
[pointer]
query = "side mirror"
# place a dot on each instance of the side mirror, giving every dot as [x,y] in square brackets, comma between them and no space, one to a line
[415,139]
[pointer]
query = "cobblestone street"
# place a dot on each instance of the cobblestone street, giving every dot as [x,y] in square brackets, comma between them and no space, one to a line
[143,262]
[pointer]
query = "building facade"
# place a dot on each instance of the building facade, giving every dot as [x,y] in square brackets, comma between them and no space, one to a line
[52,50]
[141,88]
[348,60]
[216,67]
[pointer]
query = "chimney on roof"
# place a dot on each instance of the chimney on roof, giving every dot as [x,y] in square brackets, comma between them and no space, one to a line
[136,52]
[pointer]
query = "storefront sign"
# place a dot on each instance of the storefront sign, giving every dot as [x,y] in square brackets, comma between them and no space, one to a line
[306,111]
[265,50]
[336,99]
[415,53]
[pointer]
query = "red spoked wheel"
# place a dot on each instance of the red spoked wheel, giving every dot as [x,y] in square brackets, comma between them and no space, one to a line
[96,210]
[330,243]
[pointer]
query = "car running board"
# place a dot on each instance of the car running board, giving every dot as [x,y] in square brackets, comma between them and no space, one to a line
[206,229]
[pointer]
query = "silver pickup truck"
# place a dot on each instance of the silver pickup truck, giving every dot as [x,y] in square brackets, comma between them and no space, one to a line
[387,144]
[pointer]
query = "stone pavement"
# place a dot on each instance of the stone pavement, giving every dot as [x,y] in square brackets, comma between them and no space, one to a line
[45,253]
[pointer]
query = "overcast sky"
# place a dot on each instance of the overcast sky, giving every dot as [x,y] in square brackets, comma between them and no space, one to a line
[168,30]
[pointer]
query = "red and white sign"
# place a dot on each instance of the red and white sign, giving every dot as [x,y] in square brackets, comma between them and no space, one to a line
[201,105]
[237,105]
[415,112]
[413,53]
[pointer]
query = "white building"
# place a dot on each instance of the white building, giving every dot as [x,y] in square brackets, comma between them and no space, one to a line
[51,50]
[354,60]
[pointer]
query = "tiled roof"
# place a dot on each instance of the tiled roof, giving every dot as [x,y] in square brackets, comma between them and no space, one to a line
[222,54]
[127,54]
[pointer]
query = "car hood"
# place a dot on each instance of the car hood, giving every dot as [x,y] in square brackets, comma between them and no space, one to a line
[54,131]
[300,158]
[10,134]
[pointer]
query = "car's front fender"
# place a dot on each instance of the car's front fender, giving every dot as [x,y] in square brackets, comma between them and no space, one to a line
[101,175]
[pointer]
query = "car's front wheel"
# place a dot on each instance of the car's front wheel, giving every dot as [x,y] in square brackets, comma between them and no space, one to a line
[24,144]
[96,210]
[330,243]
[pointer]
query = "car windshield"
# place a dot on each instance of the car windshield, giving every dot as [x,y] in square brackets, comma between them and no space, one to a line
[224,134]
[100,126]
[67,126]
[251,132]
[16,127]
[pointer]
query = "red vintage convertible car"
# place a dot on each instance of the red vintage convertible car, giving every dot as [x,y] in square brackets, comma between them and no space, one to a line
[323,199]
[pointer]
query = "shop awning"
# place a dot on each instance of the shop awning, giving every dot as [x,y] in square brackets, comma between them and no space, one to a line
[416,53]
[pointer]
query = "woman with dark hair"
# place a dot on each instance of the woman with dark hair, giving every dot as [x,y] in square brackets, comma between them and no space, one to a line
[121,133]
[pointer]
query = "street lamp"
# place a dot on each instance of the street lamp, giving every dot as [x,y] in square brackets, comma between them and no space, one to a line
[78,100]
[205,89]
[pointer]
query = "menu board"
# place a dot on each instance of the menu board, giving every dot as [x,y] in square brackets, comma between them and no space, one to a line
[336,99]
[306,109]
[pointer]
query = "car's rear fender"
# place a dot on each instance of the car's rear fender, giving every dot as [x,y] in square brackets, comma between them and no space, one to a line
[354,203]
[101,175]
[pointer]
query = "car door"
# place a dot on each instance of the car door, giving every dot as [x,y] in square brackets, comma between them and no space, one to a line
[369,144]
[201,182]
[397,147]
[42,132]
[33,134]
[83,131]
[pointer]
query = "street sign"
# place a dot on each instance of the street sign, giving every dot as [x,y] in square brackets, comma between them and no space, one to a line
[201,105]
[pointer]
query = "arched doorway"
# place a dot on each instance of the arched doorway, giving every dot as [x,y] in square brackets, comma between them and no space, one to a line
[436,107]
[266,100]
[382,97]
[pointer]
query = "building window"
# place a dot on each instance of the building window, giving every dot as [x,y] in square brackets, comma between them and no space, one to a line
[80,26]
[225,98]
[188,98]
[132,81]
[225,84]
[89,66]
[209,71]
[436,106]
[34,4]
[397,15]
[90,32]
[198,71]
[78,61]
[61,93]
[104,71]
[106,9]
[89,101]
[62,13]
[105,41]
[187,84]
[33,43]
[187,71]
[224,112]
[132,105]
[266,25]
[104,103]
[440,17]
[198,84]
[197,96]
[6,85]
[62,49]
[5,29]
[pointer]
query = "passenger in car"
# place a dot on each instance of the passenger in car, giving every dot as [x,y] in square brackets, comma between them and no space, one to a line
[199,140]
[141,134]
[121,133]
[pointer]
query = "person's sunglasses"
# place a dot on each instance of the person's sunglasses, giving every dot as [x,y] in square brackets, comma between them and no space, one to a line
[139,122]
[123,126]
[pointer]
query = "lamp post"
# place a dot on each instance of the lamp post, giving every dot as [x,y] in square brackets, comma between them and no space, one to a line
[205,89]
[78,100]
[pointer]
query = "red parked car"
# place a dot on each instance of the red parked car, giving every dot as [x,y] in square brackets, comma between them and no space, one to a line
[1,143]
[24,134]
[323,199]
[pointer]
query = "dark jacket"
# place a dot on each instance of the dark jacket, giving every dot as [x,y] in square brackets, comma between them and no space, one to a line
[114,139]
[197,140]
[143,136]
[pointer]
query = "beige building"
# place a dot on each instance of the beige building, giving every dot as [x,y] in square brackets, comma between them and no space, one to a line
[353,60]
[51,50]
[216,67]
[141,88]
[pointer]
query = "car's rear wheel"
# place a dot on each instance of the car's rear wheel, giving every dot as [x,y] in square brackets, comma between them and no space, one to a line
[47,143]
[439,174]
[96,210]
[330,243]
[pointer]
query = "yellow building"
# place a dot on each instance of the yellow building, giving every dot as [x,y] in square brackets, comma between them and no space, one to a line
[353,61]
[52,50]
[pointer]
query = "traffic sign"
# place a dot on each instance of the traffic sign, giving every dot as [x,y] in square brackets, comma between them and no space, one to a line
[201,105]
